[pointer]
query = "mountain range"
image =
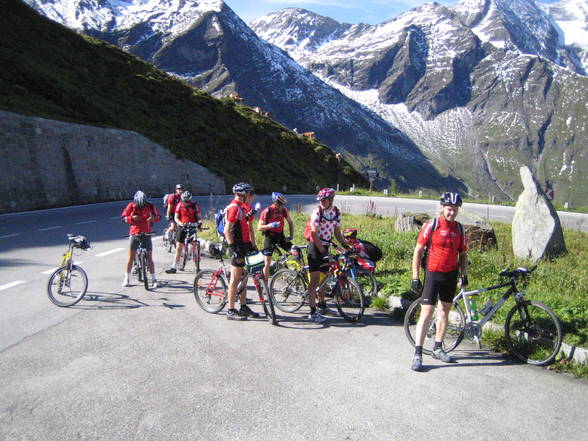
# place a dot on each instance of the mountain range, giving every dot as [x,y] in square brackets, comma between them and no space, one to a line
[435,98]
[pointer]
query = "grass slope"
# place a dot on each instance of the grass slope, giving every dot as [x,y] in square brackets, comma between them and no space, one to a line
[52,72]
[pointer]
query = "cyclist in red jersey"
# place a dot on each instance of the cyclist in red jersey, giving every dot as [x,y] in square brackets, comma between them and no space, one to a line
[141,215]
[271,224]
[172,202]
[241,240]
[187,211]
[447,258]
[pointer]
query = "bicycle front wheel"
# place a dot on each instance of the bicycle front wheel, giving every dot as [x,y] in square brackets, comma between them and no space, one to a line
[268,304]
[143,270]
[349,300]
[67,286]
[288,290]
[453,333]
[533,333]
[210,291]
[171,241]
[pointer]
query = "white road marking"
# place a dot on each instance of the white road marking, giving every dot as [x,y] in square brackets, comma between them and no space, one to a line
[106,253]
[9,235]
[85,222]
[11,284]
[51,228]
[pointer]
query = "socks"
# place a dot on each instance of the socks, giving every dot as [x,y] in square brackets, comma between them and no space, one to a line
[438,345]
[418,350]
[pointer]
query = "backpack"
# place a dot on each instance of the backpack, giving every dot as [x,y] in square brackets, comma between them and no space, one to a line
[425,255]
[307,230]
[220,219]
[374,252]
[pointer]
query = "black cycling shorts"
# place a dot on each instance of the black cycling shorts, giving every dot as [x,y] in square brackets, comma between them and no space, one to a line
[240,250]
[439,286]
[181,233]
[275,239]
[134,242]
[316,260]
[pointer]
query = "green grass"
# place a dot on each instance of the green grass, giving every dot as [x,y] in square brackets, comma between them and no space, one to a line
[559,283]
[51,72]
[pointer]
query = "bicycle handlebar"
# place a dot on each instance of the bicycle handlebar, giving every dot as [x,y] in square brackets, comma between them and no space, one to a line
[519,272]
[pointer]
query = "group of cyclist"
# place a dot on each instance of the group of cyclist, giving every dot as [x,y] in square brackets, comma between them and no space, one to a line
[441,238]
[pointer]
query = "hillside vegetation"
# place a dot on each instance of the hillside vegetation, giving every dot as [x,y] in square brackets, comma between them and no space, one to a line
[52,72]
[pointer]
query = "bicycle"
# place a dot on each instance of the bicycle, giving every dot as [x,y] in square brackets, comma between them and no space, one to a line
[289,260]
[140,262]
[289,288]
[191,251]
[169,239]
[365,278]
[68,284]
[211,287]
[533,331]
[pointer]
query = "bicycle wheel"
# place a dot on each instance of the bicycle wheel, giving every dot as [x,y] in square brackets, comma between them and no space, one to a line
[67,286]
[349,299]
[453,333]
[367,281]
[268,304]
[137,267]
[533,333]
[197,256]
[143,270]
[210,291]
[288,290]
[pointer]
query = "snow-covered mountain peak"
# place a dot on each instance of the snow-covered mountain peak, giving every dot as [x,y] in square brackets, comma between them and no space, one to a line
[572,18]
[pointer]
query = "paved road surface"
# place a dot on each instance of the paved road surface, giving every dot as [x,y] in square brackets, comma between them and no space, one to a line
[128,364]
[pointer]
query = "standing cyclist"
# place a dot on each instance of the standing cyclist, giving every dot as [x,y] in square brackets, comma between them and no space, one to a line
[241,241]
[141,215]
[172,202]
[187,211]
[447,256]
[271,224]
[325,221]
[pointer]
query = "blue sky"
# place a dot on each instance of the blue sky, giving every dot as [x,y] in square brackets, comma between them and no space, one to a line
[344,11]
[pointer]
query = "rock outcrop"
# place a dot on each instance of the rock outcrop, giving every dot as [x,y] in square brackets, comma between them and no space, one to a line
[536,228]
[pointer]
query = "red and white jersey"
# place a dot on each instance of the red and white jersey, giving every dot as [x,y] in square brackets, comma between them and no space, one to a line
[326,224]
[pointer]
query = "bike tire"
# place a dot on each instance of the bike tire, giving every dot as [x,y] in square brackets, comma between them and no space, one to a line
[143,270]
[288,290]
[268,304]
[367,281]
[533,333]
[349,300]
[454,332]
[197,257]
[185,256]
[74,279]
[210,291]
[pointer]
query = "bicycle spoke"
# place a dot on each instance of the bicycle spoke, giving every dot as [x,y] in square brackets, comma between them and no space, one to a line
[210,291]
[67,286]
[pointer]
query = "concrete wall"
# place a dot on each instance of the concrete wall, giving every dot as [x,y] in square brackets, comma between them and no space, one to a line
[48,163]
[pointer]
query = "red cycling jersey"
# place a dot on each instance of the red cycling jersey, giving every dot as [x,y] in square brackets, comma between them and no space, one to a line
[236,215]
[447,242]
[142,225]
[273,214]
[188,211]
[172,202]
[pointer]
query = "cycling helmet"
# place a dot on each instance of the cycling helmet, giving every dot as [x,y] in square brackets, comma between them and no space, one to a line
[350,232]
[81,242]
[179,187]
[242,188]
[325,193]
[451,198]
[186,196]
[140,199]
[278,197]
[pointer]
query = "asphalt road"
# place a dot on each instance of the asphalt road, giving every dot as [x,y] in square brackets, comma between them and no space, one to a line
[127,364]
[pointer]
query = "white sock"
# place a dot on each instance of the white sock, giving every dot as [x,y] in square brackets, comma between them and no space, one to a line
[127,275]
[174,264]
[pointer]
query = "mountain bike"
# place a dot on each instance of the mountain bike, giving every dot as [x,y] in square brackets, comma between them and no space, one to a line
[191,251]
[363,276]
[68,284]
[140,262]
[169,239]
[289,288]
[533,331]
[211,287]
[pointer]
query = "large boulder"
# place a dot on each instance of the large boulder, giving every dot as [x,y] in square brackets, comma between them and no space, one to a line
[536,229]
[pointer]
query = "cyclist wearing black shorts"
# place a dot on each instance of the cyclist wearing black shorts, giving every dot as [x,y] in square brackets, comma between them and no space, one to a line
[324,223]
[271,224]
[141,215]
[187,211]
[241,240]
[172,202]
[447,258]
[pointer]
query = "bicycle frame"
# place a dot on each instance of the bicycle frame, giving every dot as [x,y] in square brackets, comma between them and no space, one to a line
[463,294]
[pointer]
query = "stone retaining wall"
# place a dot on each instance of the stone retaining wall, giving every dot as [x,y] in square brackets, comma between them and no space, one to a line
[48,163]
